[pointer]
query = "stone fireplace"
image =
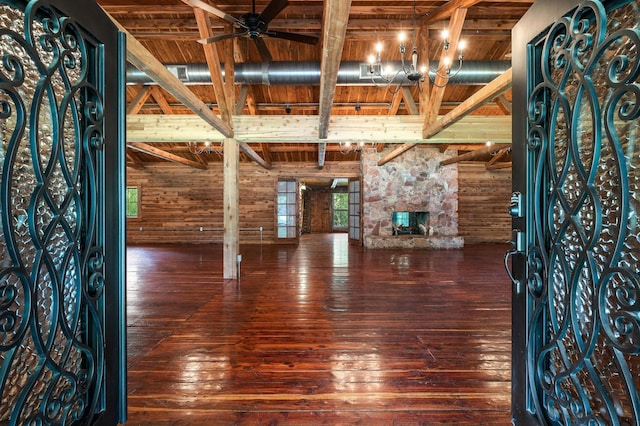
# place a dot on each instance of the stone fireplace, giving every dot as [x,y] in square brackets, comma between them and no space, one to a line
[411,183]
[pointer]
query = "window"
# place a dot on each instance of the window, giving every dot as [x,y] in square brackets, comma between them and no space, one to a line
[132,201]
[340,204]
[287,212]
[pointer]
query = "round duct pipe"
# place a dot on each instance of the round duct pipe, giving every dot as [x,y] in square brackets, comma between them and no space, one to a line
[351,73]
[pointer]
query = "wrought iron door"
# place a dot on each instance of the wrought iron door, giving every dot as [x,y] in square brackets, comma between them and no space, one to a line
[61,206]
[575,206]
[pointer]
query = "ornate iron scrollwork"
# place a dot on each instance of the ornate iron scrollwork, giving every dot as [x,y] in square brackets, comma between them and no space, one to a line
[584,120]
[51,278]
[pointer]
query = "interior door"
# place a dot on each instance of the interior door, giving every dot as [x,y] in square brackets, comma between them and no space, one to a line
[576,182]
[62,327]
[355,206]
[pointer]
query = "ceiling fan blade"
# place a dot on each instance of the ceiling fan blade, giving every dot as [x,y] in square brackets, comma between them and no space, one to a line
[302,38]
[263,50]
[221,37]
[272,10]
[212,10]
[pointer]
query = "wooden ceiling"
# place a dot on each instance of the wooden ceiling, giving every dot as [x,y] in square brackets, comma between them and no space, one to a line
[169,30]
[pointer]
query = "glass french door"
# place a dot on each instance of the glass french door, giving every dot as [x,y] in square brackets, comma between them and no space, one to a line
[62,344]
[355,206]
[287,219]
[576,181]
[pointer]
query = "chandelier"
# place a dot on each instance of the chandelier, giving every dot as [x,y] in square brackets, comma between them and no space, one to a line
[349,147]
[408,71]
[205,148]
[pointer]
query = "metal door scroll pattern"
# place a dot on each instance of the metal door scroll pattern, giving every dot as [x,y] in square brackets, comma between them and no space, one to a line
[583,128]
[51,264]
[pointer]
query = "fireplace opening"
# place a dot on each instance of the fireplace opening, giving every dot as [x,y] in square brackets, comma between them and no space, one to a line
[410,223]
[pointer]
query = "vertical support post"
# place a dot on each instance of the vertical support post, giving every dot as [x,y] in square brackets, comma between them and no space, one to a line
[231,207]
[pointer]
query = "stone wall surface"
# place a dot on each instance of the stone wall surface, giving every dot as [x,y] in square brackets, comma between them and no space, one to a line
[414,181]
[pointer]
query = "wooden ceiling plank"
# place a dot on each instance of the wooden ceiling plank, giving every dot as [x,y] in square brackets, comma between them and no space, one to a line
[213,62]
[335,19]
[474,154]
[496,87]
[157,152]
[141,58]
[138,101]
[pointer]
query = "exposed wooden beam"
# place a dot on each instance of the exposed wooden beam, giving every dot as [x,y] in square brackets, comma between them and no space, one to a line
[141,97]
[213,62]
[504,104]
[141,58]
[229,70]
[474,154]
[440,82]
[409,103]
[231,207]
[499,156]
[161,100]
[361,26]
[397,152]
[304,129]
[156,152]
[254,155]
[322,152]
[447,10]
[498,86]
[423,52]
[396,101]
[266,152]
[496,166]
[335,18]
[134,162]
[242,98]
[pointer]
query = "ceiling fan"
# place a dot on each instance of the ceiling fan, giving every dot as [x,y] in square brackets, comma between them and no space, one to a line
[254,25]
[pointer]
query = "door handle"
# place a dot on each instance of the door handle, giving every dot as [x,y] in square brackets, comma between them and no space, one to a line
[518,247]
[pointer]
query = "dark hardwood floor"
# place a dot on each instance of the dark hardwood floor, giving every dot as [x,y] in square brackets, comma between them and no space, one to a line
[321,333]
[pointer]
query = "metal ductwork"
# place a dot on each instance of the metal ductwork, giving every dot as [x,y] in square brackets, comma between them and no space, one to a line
[308,73]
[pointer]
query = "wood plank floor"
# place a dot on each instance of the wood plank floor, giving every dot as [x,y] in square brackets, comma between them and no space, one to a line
[321,333]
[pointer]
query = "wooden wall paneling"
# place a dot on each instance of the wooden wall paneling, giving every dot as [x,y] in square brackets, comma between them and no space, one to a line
[483,198]
[176,201]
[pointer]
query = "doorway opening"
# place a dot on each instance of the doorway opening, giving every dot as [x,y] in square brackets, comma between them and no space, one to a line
[324,205]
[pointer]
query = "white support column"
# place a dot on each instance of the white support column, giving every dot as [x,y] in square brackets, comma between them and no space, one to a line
[231,207]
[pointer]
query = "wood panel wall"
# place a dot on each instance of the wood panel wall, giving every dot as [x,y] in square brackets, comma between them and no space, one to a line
[483,199]
[176,201]
[182,204]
